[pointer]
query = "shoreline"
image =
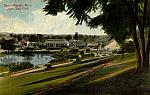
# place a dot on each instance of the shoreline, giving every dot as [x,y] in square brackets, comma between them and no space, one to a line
[43,67]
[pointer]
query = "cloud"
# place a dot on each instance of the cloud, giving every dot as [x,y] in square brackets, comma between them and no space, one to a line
[45,24]
[61,24]
[8,8]
[34,20]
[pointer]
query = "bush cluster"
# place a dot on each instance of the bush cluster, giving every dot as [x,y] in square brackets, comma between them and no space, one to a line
[72,56]
[74,51]
[87,56]
[60,55]
[58,61]
[88,50]
[20,66]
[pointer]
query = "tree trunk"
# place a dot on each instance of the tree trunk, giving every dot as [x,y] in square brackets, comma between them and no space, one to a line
[147,49]
[143,51]
[123,51]
[137,47]
[141,25]
[144,58]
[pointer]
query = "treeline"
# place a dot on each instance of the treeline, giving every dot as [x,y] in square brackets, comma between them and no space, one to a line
[44,37]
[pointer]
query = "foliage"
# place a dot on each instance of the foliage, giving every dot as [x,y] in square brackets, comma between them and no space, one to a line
[84,56]
[57,37]
[19,37]
[58,61]
[49,66]
[76,36]
[3,68]
[129,46]
[68,37]
[19,66]
[82,52]
[33,38]
[7,44]
[119,19]
[74,51]
[81,37]
[59,55]
[40,37]
[72,56]
[88,50]
[37,67]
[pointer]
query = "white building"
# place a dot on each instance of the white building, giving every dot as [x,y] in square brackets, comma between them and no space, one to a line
[112,46]
[56,43]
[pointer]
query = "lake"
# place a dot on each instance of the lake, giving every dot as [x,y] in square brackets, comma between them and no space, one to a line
[34,58]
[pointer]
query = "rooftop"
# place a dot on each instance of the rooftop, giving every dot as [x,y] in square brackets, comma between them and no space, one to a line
[57,41]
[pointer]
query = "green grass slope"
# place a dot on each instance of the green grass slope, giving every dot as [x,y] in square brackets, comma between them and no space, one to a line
[85,78]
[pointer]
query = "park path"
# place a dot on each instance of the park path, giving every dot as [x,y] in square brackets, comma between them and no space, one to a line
[29,71]
[44,67]
[39,69]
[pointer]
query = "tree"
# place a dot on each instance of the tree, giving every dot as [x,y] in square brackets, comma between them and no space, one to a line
[76,36]
[126,46]
[81,37]
[24,37]
[68,37]
[40,37]
[129,46]
[19,37]
[33,38]
[121,19]
[7,44]
[57,37]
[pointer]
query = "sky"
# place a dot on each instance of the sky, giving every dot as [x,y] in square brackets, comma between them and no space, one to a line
[27,16]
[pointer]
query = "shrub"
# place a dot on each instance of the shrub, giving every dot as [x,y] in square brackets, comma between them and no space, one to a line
[37,67]
[72,56]
[78,59]
[88,50]
[114,51]
[20,66]
[74,50]
[58,61]
[49,66]
[82,52]
[87,56]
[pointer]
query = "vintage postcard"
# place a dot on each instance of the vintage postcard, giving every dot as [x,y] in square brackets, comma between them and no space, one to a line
[74,47]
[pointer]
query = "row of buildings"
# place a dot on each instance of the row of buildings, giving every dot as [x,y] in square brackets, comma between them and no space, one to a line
[61,43]
[50,43]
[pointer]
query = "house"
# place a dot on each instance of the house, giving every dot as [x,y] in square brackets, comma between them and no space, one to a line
[26,44]
[111,46]
[56,43]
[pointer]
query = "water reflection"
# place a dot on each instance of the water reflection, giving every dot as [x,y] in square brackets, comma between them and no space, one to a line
[27,58]
[34,59]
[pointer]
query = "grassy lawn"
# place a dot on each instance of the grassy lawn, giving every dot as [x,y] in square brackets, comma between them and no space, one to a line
[3,69]
[91,77]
